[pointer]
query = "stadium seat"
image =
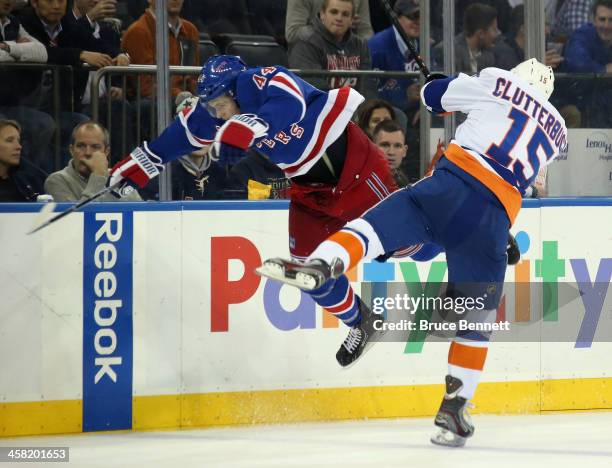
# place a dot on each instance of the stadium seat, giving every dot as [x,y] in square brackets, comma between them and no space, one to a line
[254,50]
[224,39]
[207,49]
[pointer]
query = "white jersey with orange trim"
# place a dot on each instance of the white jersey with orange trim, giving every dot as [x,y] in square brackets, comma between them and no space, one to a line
[511,130]
[302,121]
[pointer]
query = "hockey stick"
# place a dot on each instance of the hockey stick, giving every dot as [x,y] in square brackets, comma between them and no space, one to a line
[413,53]
[49,207]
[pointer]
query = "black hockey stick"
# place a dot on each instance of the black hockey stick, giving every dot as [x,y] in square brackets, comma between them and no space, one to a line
[413,52]
[51,206]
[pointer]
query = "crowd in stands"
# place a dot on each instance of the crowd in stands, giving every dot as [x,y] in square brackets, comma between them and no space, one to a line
[60,151]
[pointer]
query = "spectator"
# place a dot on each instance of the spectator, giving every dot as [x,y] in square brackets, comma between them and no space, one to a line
[390,53]
[473,46]
[255,177]
[139,43]
[183,36]
[572,15]
[302,13]
[66,44]
[391,139]
[192,9]
[97,18]
[194,177]
[502,7]
[16,45]
[510,49]
[87,171]
[589,50]
[329,44]
[17,182]
[372,112]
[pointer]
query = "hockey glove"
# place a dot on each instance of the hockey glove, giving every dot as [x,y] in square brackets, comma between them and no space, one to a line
[531,192]
[235,136]
[134,171]
[512,250]
[185,100]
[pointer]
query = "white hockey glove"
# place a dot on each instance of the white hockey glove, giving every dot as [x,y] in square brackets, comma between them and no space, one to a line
[235,136]
[134,171]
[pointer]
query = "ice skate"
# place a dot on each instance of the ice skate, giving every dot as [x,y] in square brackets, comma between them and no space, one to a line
[453,420]
[307,276]
[361,337]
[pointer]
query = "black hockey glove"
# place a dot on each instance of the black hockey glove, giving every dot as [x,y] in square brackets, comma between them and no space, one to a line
[512,250]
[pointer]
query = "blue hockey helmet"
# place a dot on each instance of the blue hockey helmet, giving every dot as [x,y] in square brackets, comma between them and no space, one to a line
[218,76]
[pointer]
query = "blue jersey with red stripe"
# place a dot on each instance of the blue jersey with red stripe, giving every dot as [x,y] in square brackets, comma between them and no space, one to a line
[303,120]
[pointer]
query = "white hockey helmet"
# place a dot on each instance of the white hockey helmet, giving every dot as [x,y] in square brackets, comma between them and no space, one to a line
[536,74]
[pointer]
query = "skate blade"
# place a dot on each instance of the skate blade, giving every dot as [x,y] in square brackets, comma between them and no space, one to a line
[446,438]
[277,272]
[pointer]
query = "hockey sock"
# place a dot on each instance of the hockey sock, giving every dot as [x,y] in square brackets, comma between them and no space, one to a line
[338,298]
[466,359]
[356,241]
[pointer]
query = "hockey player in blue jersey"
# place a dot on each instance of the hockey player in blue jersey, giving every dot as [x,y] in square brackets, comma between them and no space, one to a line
[466,206]
[337,173]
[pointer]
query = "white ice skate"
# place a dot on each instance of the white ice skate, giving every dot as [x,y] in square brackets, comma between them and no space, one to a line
[307,276]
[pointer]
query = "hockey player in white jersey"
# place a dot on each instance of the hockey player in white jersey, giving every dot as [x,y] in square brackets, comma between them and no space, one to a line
[466,206]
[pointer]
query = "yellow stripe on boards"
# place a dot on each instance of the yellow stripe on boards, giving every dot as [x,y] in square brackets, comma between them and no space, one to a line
[324,404]
[576,394]
[41,417]
[156,412]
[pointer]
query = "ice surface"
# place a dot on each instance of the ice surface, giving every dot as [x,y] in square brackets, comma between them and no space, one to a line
[575,439]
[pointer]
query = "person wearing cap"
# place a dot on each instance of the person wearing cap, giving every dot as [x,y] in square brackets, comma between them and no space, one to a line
[390,53]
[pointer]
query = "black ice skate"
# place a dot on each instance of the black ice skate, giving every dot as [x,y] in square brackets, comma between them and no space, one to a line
[453,420]
[307,276]
[361,337]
